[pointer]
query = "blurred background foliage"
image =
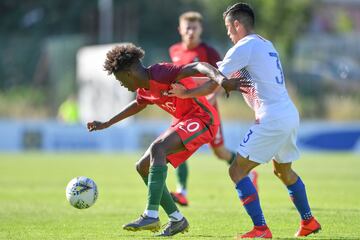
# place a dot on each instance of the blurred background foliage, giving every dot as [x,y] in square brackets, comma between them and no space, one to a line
[39,40]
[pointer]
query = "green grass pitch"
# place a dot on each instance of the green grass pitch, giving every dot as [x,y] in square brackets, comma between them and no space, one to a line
[33,204]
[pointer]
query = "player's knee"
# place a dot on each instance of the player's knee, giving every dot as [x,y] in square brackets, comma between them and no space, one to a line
[156,148]
[235,172]
[277,174]
[232,171]
[140,168]
[287,177]
[158,153]
[281,175]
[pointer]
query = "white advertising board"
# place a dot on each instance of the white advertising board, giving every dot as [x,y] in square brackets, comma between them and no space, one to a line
[100,96]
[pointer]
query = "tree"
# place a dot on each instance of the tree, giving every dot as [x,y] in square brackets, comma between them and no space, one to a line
[278,20]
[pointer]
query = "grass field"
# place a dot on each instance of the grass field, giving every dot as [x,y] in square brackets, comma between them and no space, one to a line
[33,204]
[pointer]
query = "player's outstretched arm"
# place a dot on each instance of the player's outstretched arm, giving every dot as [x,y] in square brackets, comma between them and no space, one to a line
[131,109]
[203,68]
[209,87]
[205,89]
[178,90]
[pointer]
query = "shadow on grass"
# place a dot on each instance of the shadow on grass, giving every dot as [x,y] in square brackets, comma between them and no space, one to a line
[320,238]
[332,209]
[198,236]
[180,236]
[336,209]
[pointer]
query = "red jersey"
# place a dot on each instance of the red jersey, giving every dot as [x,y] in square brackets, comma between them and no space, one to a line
[202,53]
[161,77]
[180,55]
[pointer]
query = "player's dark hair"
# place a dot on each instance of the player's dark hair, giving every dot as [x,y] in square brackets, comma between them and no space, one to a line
[241,12]
[122,57]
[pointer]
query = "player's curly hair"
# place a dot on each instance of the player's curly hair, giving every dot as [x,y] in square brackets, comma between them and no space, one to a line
[122,56]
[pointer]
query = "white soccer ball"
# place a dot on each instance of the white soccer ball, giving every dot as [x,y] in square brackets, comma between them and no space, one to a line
[81,192]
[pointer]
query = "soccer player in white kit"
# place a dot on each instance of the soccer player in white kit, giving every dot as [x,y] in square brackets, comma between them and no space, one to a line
[273,135]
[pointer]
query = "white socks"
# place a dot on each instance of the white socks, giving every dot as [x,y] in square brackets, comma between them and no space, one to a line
[151,213]
[176,216]
[181,190]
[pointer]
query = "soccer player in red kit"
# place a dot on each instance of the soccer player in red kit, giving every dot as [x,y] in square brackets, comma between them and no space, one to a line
[192,49]
[195,123]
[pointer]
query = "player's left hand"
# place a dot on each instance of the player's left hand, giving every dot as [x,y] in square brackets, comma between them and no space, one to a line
[177,90]
[96,125]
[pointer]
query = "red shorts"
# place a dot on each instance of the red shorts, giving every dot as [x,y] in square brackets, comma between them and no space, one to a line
[194,133]
[218,140]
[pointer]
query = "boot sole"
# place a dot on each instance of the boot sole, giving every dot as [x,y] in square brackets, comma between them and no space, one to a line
[186,229]
[147,228]
[313,232]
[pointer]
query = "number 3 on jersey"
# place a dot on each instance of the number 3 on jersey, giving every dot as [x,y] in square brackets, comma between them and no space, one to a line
[246,139]
[281,80]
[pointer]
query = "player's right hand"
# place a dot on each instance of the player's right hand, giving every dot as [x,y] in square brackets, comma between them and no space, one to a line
[177,90]
[236,84]
[96,125]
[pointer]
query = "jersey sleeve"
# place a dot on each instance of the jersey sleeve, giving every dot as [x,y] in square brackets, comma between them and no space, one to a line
[235,59]
[165,73]
[141,99]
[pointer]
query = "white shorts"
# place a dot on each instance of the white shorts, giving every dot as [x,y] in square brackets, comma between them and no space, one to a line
[271,140]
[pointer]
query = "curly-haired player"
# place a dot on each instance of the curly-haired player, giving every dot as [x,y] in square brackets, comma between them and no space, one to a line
[195,123]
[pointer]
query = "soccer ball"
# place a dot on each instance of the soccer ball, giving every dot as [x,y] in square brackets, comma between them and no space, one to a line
[81,192]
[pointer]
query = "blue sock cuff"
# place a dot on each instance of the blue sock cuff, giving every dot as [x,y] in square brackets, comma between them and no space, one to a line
[296,186]
[245,187]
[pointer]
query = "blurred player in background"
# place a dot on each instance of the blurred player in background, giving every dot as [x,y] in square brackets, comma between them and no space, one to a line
[192,49]
[273,135]
[69,111]
[195,123]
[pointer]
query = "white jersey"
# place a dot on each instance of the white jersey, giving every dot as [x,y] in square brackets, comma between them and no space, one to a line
[256,59]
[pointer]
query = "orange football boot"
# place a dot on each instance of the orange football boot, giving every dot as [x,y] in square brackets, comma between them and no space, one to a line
[308,227]
[257,232]
[179,198]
